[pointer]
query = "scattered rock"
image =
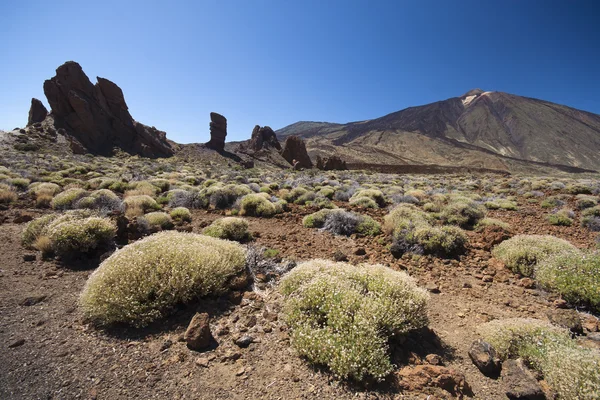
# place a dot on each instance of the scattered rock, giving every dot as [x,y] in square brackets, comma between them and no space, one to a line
[331,163]
[21,219]
[198,336]
[32,300]
[566,318]
[493,235]
[560,303]
[432,287]
[17,343]
[527,283]
[420,377]
[37,112]
[29,257]
[359,251]
[244,341]
[218,131]
[589,322]
[433,359]
[294,148]
[485,358]
[202,362]
[519,382]
[338,255]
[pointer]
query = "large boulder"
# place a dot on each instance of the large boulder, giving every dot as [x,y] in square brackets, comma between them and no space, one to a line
[264,138]
[97,115]
[294,151]
[218,131]
[331,163]
[37,112]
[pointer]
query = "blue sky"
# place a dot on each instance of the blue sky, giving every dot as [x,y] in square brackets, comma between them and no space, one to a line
[278,62]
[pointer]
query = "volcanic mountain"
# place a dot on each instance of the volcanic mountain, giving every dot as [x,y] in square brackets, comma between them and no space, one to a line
[478,129]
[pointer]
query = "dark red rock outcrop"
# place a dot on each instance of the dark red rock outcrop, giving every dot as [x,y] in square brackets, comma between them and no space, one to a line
[331,163]
[218,131]
[264,138]
[98,117]
[37,112]
[294,148]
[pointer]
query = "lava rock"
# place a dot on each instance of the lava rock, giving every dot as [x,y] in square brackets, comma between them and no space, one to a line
[37,112]
[218,131]
[519,382]
[331,163]
[244,341]
[264,138]
[198,336]
[485,358]
[294,148]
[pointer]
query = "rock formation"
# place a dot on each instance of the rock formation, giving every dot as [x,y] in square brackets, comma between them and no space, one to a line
[264,138]
[295,149]
[97,115]
[37,112]
[331,163]
[218,131]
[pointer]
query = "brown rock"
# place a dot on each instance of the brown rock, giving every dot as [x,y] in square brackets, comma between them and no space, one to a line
[295,149]
[22,219]
[493,235]
[519,382]
[37,112]
[566,318]
[420,377]
[218,131]
[264,138]
[485,358]
[198,336]
[331,163]
[96,117]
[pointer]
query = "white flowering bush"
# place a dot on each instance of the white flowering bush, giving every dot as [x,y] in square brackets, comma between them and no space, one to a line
[521,253]
[144,281]
[342,316]
[231,228]
[571,370]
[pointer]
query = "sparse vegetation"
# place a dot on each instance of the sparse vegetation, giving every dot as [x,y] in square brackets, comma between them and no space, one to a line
[231,228]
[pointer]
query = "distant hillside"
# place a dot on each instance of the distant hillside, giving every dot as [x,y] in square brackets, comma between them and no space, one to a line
[481,129]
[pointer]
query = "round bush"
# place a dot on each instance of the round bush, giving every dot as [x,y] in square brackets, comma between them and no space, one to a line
[181,214]
[158,219]
[145,280]
[66,200]
[231,228]
[521,253]
[343,316]
[80,236]
[258,205]
[373,194]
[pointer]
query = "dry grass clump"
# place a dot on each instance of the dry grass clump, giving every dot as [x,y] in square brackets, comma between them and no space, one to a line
[586,201]
[343,316]
[570,370]
[72,233]
[522,253]
[231,228]
[142,188]
[67,199]
[7,194]
[575,276]
[145,280]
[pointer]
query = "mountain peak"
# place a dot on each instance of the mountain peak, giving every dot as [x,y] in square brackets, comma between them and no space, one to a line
[472,92]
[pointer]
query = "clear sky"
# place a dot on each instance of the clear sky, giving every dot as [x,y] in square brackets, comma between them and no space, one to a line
[278,62]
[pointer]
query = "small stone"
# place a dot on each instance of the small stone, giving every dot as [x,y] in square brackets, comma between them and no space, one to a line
[240,371]
[433,359]
[560,303]
[519,382]
[485,358]
[338,255]
[22,219]
[201,362]
[17,343]
[527,283]
[32,300]
[360,251]
[244,341]
[222,331]
[432,287]
[29,257]
[197,335]
[250,321]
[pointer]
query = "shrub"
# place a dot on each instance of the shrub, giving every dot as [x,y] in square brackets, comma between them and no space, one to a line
[342,222]
[189,199]
[231,228]
[591,222]
[34,229]
[405,217]
[80,236]
[570,370]
[492,222]
[463,212]
[576,277]
[7,195]
[222,197]
[145,280]
[373,194]
[521,253]
[364,202]
[585,201]
[343,316]
[19,183]
[258,205]
[307,197]
[181,214]
[141,202]
[102,199]
[158,219]
[44,187]
[578,188]
[442,241]
[552,202]
[561,218]
[294,194]
[66,200]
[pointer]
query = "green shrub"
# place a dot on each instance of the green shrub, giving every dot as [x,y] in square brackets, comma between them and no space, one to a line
[492,222]
[463,212]
[67,199]
[585,201]
[443,241]
[146,280]
[44,187]
[317,219]
[258,205]
[578,188]
[20,183]
[343,316]
[521,253]
[181,214]
[7,195]
[144,202]
[158,219]
[231,228]
[576,277]
[508,205]
[294,194]
[342,222]
[404,217]
[364,202]
[373,194]
[80,236]
[570,370]
[35,228]
[561,218]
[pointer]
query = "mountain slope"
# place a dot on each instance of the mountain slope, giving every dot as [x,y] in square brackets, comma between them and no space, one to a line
[491,129]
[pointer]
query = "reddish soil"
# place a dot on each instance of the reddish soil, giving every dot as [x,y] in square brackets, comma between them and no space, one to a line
[47,351]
